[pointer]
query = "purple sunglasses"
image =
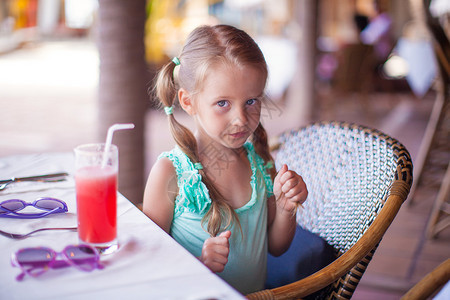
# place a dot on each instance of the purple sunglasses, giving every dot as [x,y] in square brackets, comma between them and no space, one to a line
[35,261]
[10,208]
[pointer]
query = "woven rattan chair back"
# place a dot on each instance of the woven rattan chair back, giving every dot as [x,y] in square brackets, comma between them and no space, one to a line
[351,172]
[348,171]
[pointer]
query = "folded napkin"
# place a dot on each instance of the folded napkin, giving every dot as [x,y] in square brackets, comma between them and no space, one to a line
[28,186]
[36,164]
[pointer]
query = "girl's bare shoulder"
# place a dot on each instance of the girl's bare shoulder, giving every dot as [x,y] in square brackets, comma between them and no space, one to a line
[160,192]
[163,170]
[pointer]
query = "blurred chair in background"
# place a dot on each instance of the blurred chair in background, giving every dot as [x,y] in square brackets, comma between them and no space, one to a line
[433,161]
[430,284]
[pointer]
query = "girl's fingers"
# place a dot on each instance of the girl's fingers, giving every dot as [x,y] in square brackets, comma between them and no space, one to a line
[218,250]
[225,234]
[221,239]
[298,199]
[280,174]
[215,255]
[216,267]
[289,186]
[287,176]
[282,170]
[215,251]
[296,188]
[292,188]
[221,259]
[217,246]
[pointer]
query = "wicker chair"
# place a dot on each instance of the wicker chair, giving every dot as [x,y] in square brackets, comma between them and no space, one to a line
[357,180]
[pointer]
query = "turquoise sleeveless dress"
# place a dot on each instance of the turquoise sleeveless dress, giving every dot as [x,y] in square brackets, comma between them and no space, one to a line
[246,267]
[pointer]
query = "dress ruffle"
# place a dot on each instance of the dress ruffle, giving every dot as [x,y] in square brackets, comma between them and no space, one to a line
[256,162]
[193,195]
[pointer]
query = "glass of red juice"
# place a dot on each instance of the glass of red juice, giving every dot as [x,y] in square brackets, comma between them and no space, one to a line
[96,193]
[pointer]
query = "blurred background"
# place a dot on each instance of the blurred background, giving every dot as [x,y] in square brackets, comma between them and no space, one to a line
[71,68]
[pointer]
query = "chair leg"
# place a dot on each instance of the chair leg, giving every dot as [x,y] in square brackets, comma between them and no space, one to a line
[428,140]
[440,215]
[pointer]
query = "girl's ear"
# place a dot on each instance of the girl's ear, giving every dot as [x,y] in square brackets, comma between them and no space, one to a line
[186,101]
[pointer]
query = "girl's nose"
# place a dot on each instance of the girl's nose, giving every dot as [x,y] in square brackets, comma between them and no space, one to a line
[240,117]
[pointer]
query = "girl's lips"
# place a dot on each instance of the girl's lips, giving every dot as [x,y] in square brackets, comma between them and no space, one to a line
[239,134]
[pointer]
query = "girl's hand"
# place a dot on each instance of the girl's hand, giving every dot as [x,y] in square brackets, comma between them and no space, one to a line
[215,252]
[289,190]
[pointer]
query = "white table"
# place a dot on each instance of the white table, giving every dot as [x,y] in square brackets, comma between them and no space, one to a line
[148,265]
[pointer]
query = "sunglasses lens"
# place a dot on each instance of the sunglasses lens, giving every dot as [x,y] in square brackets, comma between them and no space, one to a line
[82,256]
[12,205]
[34,257]
[49,204]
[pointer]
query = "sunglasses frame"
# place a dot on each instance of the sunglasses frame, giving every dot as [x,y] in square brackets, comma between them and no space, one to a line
[53,262]
[8,213]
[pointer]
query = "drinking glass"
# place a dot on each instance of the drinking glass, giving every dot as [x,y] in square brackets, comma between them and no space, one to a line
[96,193]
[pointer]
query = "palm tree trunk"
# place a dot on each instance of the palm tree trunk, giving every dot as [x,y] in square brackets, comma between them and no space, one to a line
[122,87]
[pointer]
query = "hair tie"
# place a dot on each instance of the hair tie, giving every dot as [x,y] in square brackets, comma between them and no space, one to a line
[198,166]
[176,61]
[168,110]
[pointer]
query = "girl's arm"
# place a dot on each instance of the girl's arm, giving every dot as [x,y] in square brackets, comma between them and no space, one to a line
[289,191]
[159,199]
[160,192]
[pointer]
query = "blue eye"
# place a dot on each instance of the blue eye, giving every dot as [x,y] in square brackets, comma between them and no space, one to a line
[251,101]
[222,103]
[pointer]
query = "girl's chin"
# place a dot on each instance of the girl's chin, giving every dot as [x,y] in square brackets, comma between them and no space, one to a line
[235,143]
[227,142]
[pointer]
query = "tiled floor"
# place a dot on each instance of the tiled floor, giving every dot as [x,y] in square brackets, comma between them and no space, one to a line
[47,105]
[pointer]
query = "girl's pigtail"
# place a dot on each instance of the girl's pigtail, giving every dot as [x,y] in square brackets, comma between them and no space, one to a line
[165,87]
[166,90]
[220,215]
[260,142]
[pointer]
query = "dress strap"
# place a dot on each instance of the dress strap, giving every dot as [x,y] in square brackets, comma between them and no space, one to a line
[262,167]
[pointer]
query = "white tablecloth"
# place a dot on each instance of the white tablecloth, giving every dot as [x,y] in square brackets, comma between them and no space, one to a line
[148,265]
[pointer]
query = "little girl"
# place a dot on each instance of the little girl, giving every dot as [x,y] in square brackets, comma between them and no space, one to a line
[217,192]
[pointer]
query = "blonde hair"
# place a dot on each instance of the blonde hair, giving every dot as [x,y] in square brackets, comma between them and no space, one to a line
[204,47]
